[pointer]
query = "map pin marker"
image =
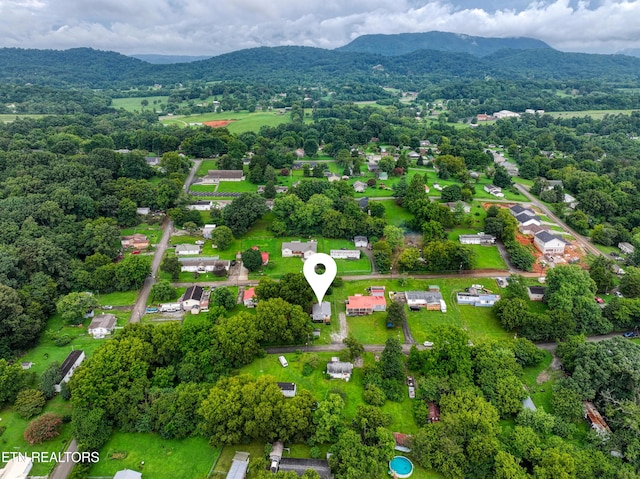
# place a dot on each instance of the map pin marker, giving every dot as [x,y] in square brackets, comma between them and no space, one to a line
[320,282]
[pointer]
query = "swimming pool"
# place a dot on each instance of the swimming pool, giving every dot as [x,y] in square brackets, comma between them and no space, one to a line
[401,466]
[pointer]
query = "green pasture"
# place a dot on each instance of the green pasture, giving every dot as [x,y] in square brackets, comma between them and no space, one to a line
[162,458]
[11,117]
[205,166]
[152,232]
[595,114]
[118,298]
[394,214]
[242,121]
[13,437]
[135,103]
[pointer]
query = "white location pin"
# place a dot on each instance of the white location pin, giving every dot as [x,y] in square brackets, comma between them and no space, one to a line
[320,282]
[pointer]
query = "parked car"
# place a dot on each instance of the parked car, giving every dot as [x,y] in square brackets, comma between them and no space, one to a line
[428,344]
[233,262]
[631,334]
[599,300]
[136,252]
[283,361]
[107,307]
[151,310]
[619,294]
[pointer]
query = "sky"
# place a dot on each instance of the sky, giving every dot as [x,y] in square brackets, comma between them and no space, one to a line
[213,27]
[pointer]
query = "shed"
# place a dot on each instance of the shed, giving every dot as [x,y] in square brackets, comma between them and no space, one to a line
[536,293]
[239,466]
[288,389]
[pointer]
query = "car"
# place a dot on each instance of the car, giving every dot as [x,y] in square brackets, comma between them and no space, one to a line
[151,310]
[107,307]
[136,252]
[631,334]
[428,344]
[599,300]
[233,262]
[619,294]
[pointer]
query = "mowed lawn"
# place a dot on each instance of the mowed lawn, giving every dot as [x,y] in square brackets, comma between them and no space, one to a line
[135,103]
[241,121]
[480,323]
[163,458]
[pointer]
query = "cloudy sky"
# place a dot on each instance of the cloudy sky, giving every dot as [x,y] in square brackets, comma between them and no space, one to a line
[212,27]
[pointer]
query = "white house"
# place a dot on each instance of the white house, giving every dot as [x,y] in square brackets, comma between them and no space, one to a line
[207,230]
[517,210]
[548,243]
[345,253]
[494,190]
[288,389]
[536,293]
[361,241]
[102,325]
[186,249]
[202,205]
[192,297]
[525,220]
[339,370]
[359,186]
[477,299]
[321,313]
[204,265]
[478,238]
[453,205]
[68,367]
[505,114]
[626,248]
[298,248]
[216,176]
[143,211]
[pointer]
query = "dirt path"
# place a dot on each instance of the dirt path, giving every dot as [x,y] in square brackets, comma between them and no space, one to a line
[337,338]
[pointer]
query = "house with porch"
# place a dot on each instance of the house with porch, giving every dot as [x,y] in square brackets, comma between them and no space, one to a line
[359,305]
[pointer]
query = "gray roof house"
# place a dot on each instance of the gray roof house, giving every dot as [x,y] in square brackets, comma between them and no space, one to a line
[548,243]
[517,210]
[102,325]
[321,312]
[360,241]
[626,248]
[299,248]
[183,249]
[339,369]
[69,365]
[359,186]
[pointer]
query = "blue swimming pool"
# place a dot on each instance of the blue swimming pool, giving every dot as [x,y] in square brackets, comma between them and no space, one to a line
[401,466]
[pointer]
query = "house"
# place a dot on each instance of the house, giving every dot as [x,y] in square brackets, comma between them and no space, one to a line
[239,466]
[527,403]
[102,325]
[69,366]
[377,290]
[532,229]
[136,241]
[363,203]
[551,184]
[128,474]
[511,168]
[359,186]
[143,211]
[360,241]
[505,114]
[265,258]
[423,299]
[548,243]
[475,298]
[517,210]
[345,253]
[207,230]
[152,160]
[453,205]
[249,298]
[339,369]
[202,205]
[204,265]
[17,467]
[626,248]
[596,420]
[478,238]
[192,297]
[298,248]
[321,313]
[570,201]
[187,249]
[373,167]
[617,269]
[288,389]
[536,293]
[359,305]
[383,175]
[216,176]
[525,220]
[494,190]
[333,177]
[434,412]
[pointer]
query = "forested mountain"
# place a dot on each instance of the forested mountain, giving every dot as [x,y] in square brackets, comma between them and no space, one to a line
[293,65]
[403,43]
[168,59]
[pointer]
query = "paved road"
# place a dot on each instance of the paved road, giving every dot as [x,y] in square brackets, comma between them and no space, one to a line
[63,469]
[141,303]
[584,242]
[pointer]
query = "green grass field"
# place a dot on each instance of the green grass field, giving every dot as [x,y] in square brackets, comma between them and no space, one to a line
[134,103]
[163,458]
[242,121]
[595,114]
[11,117]
[152,232]
[394,214]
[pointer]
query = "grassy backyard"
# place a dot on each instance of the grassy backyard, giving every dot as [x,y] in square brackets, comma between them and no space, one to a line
[163,458]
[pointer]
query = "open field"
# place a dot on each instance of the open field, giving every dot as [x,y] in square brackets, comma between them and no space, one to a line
[152,232]
[163,458]
[244,121]
[134,103]
[11,117]
[595,114]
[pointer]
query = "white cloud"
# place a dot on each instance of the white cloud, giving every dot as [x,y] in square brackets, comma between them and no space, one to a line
[204,27]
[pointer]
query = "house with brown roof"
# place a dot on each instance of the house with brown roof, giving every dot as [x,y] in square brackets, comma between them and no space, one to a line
[136,241]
